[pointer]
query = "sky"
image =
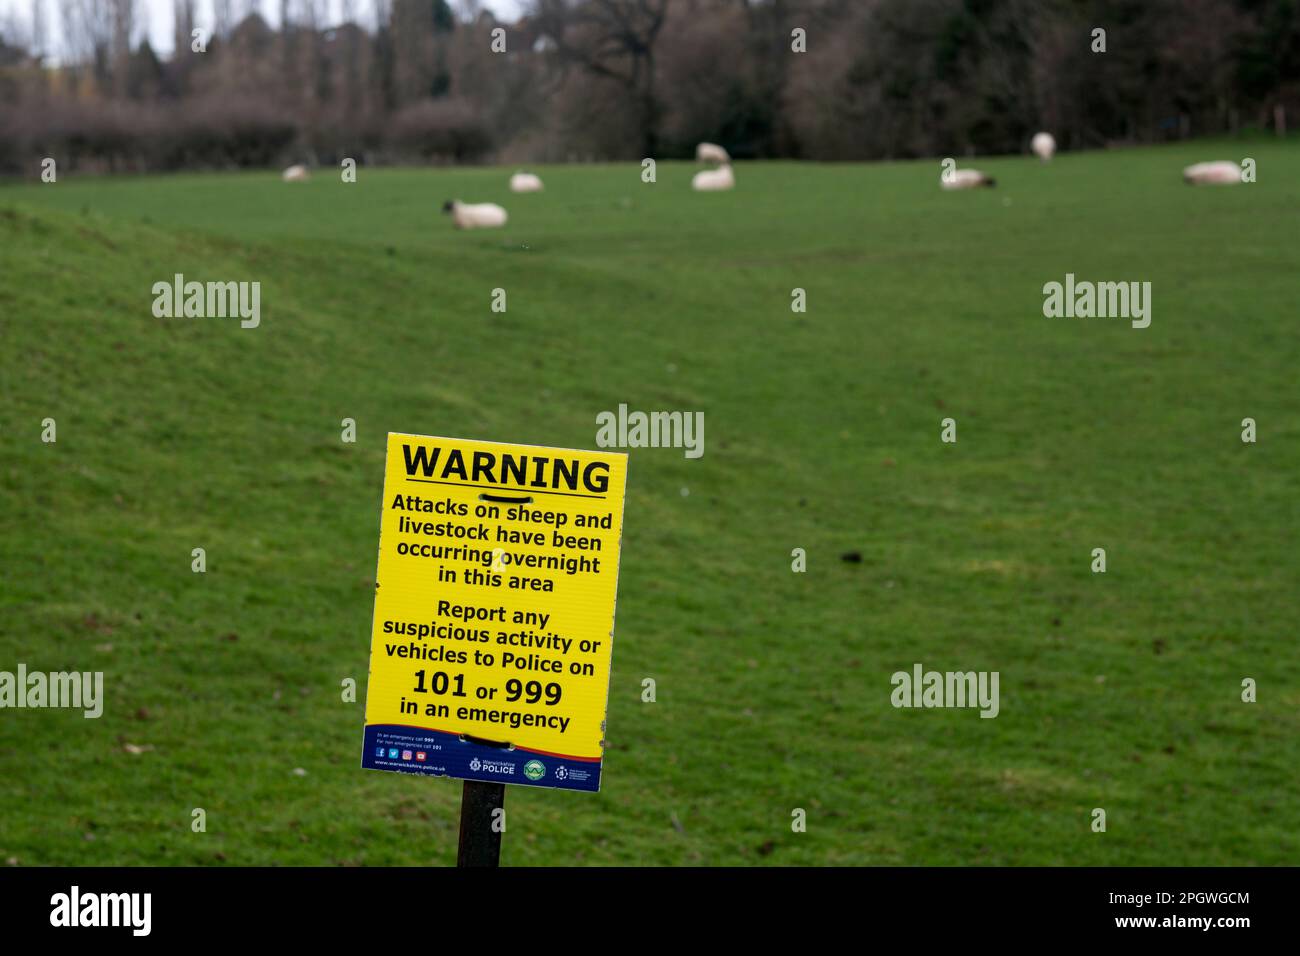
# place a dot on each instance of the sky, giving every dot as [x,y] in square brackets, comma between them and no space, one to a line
[155,16]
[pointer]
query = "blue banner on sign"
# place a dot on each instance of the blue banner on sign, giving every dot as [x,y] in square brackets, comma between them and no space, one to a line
[436,753]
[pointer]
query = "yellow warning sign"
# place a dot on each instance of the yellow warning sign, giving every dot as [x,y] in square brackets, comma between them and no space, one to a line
[493,632]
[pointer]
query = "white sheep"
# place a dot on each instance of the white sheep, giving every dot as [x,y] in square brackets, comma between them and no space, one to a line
[1218,173]
[296,174]
[714,180]
[1043,145]
[522,182]
[711,153]
[966,179]
[483,215]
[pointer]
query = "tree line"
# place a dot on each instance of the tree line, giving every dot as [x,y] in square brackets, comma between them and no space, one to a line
[577,80]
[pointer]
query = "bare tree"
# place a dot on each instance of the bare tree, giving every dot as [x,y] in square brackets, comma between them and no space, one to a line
[221,16]
[39,38]
[87,36]
[351,78]
[123,26]
[614,40]
[182,26]
[72,50]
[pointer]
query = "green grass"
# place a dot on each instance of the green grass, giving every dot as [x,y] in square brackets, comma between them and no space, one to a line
[1119,691]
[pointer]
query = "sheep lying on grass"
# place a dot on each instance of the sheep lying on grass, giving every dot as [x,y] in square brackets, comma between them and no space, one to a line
[483,215]
[1219,173]
[522,182]
[713,180]
[1043,145]
[966,179]
[296,174]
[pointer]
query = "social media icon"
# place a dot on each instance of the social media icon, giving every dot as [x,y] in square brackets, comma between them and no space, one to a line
[379,751]
[406,755]
[392,753]
[421,756]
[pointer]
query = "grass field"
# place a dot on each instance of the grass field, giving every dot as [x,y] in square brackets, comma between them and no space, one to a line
[1118,690]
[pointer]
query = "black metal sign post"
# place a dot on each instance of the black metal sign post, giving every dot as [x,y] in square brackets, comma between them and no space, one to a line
[480,833]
